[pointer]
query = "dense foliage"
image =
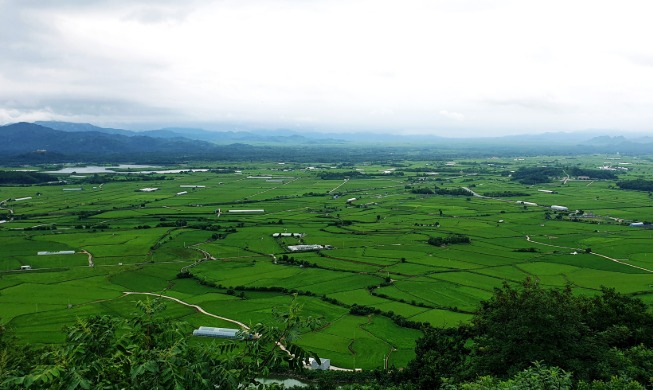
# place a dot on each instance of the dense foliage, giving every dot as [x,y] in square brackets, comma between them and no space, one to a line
[603,174]
[535,175]
[148,351]
[450,239]
[594,338]
[19,177]
[637,184]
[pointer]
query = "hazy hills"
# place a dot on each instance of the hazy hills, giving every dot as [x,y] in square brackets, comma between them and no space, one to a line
[65,142]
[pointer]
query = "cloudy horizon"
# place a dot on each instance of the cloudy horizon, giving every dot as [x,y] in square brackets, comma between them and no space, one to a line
[442,67]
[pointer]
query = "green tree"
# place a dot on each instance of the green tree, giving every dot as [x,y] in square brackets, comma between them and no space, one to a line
[148,351]
[519,326]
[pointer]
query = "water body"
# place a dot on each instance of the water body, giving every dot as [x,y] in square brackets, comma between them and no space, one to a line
[97,169]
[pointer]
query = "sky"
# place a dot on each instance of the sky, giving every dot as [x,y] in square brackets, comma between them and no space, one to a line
[444,67]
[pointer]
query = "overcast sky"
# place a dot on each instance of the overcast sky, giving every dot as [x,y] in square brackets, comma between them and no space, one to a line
[445,67]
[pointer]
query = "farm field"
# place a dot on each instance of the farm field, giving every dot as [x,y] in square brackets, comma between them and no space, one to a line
[226,239]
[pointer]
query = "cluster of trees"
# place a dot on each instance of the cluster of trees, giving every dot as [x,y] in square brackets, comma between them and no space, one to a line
[440,191]
[422,191]
[326,175]
[113,177]
[592,173]
[17,177]
[450,239]
[292,261]
[452,191]
[535,175]
[637,184]
[591,338]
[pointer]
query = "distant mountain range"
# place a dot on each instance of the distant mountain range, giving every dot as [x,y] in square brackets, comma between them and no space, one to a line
[65,141]
[218,137]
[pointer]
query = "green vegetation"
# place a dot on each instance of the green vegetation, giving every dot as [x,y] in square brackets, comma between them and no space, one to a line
[637,184]
[24,177]
[148,351]
[591,338]
[400,259]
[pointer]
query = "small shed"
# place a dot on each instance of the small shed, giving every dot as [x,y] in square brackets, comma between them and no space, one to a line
[25,267]
[325,364]
[222,333]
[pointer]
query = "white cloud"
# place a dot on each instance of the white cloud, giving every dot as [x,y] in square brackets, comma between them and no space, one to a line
[514,65]
[452,115]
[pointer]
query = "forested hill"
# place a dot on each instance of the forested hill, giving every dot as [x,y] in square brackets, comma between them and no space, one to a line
[33,143]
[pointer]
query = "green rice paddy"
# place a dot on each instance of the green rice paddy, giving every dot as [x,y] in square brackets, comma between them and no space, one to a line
[376,251]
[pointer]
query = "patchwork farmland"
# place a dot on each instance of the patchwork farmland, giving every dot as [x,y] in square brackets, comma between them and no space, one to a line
[377,250]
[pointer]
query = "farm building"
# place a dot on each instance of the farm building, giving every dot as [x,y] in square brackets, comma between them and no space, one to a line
[325,364]
[304,248]
[182,193]
[25,198]
[546,191]
[25,267]
[276,235]
[559,208]
[222,333]
[247,211]
[637,224]
[46,253]
[148,189]
[351,200]
[526,203]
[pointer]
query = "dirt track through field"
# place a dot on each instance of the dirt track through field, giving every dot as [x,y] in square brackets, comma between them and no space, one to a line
[202,311]
[591,253]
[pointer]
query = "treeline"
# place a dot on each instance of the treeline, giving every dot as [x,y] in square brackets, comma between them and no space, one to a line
[603,174]
[451,239]
[536,175]
[637,184]
[115,177]
[340,175]
[505,194]
[16,177]
[440,191]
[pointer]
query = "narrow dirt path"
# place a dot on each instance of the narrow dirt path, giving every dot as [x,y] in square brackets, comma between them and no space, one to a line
[90,258]
[196,307]
[591,253]
[202,311]
[339,185]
